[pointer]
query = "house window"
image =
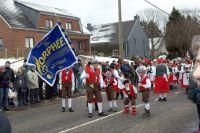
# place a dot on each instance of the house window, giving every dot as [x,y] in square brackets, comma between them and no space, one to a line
[115,53]
[29,42]
[1,43]
[69,25]
[79,45]
[49,24]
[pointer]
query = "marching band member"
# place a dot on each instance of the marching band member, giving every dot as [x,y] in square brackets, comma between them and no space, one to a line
[130,94]
[145,87]
[94,83]
[186,69]
[67,83]
[109,84]
[161,80]
[120,78]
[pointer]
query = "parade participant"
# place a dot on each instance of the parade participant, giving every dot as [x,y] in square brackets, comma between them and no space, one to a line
[186,69]
[120,78]
[130,94]
[67,83]
[175,71]
[109,83]
[171,76]
[145,87]
[94,83]
[150,72]
[161,80]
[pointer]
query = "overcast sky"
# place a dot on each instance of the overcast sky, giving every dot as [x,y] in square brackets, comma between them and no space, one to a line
[105,11]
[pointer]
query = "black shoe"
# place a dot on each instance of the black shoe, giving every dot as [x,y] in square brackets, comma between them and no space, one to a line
[160,99]
[90,115]
[164,99]
[102,114]
[71,110]
[63,109]
[32,102]
[6,109]
[146,114]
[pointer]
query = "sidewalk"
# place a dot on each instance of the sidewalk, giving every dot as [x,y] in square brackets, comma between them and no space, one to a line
[82,92]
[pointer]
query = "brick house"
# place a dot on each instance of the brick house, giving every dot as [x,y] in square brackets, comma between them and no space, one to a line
[23,24]
[105,39]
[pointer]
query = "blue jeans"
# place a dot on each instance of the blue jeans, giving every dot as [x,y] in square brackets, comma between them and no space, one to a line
[4,97]
[79,81]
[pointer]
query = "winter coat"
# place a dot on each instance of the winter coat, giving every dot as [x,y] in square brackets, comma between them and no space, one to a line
[33,81]
[191,90]
[21,82]
[6,77]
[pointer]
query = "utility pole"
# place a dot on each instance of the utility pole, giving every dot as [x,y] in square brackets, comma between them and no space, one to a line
[121,50]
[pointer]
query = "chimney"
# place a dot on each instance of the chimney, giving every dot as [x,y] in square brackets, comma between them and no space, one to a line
[136,18]
[89,26]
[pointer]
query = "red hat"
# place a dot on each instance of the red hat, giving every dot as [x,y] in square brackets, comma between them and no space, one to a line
[173,65]
[117,65]
[159,61]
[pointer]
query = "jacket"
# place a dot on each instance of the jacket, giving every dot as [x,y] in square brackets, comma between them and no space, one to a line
[33,82]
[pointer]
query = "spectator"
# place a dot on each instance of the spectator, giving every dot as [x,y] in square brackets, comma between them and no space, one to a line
[33,85]
[20,86]
[194,88]
[77,70]
[133,73]
[41,86]
[25,68]
[126,69]
[7,79]
[112,65]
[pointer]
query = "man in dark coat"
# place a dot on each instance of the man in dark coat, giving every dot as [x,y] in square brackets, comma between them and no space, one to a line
[7,79]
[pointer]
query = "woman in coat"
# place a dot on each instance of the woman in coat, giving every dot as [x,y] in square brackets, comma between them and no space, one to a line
[33,85]
[20,85]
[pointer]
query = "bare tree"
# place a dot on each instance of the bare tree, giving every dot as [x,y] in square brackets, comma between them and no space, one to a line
[154,22]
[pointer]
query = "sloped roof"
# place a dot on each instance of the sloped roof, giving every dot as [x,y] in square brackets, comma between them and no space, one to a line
[13,15]
[46,9]
[108,33]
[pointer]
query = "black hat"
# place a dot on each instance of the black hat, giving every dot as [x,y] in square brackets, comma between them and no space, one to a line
[126,81]
[7,62]
[25,60]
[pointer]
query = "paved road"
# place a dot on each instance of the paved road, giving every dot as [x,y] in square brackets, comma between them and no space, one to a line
[177,115]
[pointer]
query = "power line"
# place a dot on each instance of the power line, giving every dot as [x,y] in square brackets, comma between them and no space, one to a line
[157,7]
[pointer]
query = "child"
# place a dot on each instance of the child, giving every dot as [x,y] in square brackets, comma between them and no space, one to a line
[109,84]
[145,87]
[130,94]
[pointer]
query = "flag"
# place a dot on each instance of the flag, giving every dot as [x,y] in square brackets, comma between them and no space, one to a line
[51,55]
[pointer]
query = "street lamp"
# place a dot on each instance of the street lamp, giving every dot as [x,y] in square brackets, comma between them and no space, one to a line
[121,52]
